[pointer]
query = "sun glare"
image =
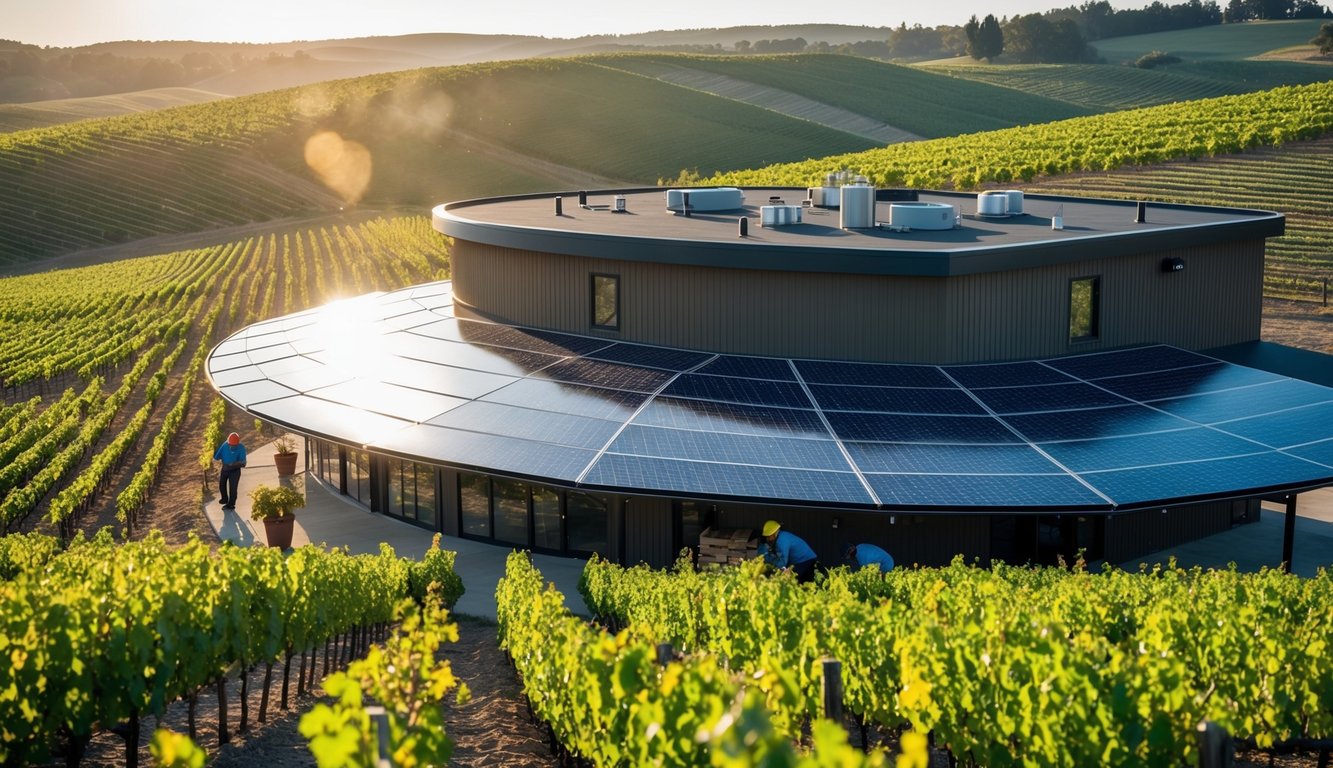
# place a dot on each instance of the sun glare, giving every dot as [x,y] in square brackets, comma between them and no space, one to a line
[342,164]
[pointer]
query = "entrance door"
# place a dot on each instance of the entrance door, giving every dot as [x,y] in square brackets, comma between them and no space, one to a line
[548,525]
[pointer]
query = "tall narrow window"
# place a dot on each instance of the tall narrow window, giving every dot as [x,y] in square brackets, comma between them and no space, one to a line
[1084,308]
[606,302]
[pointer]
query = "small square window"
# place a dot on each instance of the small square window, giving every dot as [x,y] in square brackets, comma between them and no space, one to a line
[1084,308]
[606,302]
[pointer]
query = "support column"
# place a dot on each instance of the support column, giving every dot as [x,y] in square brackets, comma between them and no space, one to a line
[1289,533]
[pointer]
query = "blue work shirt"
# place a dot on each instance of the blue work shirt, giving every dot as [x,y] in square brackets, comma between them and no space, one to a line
[231,456]
[869,554]
[788,549]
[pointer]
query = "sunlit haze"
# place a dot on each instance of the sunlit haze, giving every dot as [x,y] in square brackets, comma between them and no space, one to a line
[80,22]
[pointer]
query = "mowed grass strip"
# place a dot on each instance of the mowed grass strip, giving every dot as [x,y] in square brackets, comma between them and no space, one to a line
[923,102]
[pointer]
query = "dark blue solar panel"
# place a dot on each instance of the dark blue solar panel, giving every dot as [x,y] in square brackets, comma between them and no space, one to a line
[872,374]
[601,374]
[1140,360]
[1202,478]
[946,459]
[729,447]
[653,357]
[1320,452]
[1288,428]
[894,399]
[476,332]
[1185,381]
[729,417]
[1049,397]
[706,479]
[542,426]
[990,491]
[919,429]
[492,452]
[774,368]
[1024,374]
[1143,450]
[1251,401]
[1094,423]
[734,390]
[575,399]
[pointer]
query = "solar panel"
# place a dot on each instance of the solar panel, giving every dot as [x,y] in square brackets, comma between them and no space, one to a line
[777,369]
[731,417]
[528,424]
[652,357]
[709,479]
[895,399]
[1094,423]
[1123,429]
[872,374]
[1012,492]
[1214,407]
[598,373]
[728,389]
[659,442]
[1025,374]
[1047,397]
[901,428]
[1128,361]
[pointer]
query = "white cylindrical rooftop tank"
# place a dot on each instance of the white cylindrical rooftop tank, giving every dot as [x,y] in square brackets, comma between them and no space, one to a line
[858,207]
[992,203]
[914,215]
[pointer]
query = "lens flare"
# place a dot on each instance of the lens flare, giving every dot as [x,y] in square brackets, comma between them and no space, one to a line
[342,164]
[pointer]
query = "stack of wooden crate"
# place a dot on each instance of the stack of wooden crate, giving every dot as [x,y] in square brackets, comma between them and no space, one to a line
[727,546]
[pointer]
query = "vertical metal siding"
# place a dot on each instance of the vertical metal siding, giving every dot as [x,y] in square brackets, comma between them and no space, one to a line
[648,532]
[1136,534]
[1016,314]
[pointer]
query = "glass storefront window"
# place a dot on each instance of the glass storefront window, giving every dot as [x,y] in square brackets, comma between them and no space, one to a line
[510,501]
[546,522]
[426,495]
[585,522]
[474,504]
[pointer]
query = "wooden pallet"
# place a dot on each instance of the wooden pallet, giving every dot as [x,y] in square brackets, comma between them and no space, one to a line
[727,546]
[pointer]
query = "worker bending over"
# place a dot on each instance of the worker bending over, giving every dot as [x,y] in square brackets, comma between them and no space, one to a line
[787,550]
[862,555]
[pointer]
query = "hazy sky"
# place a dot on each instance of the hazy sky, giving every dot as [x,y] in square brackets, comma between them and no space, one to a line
[79,22]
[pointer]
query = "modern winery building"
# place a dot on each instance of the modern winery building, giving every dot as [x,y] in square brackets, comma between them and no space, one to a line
[998,376]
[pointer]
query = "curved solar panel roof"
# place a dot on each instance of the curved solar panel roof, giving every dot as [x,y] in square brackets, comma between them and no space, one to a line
[400,374]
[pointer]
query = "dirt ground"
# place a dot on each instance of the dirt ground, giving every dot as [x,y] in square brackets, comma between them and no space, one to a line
[493,729]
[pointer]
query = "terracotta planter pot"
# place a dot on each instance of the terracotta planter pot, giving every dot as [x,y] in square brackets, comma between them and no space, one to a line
[286,463]
[278,530]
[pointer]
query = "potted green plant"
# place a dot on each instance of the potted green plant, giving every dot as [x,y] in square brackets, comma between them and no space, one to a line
[276,506]
[284,449]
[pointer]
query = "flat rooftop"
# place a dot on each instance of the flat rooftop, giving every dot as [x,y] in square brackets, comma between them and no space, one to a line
[648,231]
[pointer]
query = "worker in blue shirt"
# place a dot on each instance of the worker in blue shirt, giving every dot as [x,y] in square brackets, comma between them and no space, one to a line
[862,555]
[783,549]
[232,456]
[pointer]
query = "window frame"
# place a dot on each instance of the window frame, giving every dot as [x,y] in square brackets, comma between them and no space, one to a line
[1095,309]
[593,279]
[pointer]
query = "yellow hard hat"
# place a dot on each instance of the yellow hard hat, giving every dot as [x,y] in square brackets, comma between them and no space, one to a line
[771,527]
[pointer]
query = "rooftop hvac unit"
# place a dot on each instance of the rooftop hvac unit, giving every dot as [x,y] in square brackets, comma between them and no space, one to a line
[779,215]
[715,199]
[1015,201]
[858,206]
[921,215]
[825,197]
[992,204]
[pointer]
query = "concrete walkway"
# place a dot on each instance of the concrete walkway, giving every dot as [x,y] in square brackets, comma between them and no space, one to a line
[332,519]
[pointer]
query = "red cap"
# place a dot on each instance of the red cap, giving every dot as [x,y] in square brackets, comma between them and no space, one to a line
[233,439]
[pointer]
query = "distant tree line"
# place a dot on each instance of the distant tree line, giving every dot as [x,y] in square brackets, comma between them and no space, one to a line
[1057,36]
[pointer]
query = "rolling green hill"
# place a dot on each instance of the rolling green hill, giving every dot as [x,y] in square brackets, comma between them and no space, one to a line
[40,114]
[924,103]
[1104,87]
[1223,42]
